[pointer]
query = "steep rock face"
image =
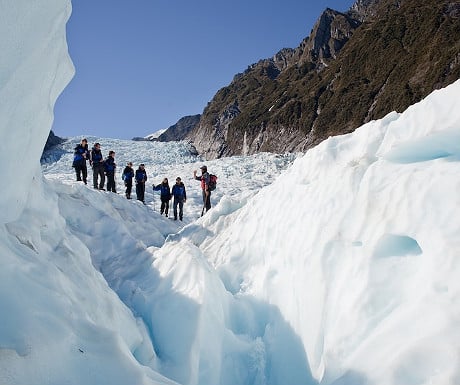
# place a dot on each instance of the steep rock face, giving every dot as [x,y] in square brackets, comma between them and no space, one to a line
[254,94]
[215,135]
[180,130]
[211,140]
[52,141]
[364,9]
[330,33]
[380,56]
[403,53]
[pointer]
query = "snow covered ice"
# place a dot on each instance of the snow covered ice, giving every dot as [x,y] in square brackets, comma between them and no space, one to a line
[339,266]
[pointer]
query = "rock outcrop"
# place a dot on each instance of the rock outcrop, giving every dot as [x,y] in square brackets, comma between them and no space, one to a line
[380,56]
[181,129]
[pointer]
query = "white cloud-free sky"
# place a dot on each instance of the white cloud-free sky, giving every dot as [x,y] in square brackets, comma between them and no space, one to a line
[143,65]
[339,267]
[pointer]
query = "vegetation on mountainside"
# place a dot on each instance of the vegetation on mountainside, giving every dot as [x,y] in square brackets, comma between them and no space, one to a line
[389,64]
[410,48]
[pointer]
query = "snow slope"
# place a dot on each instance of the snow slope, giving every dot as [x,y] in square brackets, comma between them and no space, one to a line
[364,265]
[350,257]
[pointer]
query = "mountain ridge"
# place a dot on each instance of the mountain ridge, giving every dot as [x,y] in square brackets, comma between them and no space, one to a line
[356,66]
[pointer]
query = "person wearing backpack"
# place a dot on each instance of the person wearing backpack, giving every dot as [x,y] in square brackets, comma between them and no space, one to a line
[204,179]
[109,167]
[81,154]
[140,177]
[165,196]
[180,196]
[97,163]
[127,176]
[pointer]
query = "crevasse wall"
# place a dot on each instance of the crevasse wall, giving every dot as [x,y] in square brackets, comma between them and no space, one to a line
[34,69]
[367,273]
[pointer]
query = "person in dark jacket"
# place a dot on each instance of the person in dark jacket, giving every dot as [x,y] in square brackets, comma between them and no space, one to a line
[165,195]
[204,178]
[81,154]
[180,196]
[141,178]
[97,163]
[109,167]
[128,175]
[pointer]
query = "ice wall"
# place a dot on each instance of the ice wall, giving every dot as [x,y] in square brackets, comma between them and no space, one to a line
[34,69]
[357,245]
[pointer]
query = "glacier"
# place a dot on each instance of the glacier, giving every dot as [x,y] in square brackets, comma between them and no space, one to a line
[340,268]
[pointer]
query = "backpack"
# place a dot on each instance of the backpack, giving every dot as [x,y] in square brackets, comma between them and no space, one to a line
[212,182]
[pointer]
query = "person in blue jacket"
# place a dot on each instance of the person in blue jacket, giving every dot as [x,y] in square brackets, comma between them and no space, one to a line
[109,167]
[81,154]
[128,175]
[97,163]
[165,195]
[180,196]
[140,177]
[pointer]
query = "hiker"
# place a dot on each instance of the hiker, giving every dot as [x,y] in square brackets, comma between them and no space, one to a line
[141,178]
[165,196]
[81,154]
[204,178]
[180,196]
[128,175]
[97,163]
[109,167]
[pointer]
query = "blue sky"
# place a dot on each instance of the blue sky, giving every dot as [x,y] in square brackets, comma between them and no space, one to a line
[141,65]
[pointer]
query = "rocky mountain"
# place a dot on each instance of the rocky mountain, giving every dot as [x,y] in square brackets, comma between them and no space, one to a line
[364,9]
[181,129]
[380,56]
[52,141]
[149,138]
[178,131]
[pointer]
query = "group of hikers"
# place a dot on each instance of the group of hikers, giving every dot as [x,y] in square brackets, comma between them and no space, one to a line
[106,168]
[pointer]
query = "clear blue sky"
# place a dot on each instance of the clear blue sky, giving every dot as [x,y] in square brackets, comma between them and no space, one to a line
[141,65]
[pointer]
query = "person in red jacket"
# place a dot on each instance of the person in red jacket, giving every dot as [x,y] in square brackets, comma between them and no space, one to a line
[204,178]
